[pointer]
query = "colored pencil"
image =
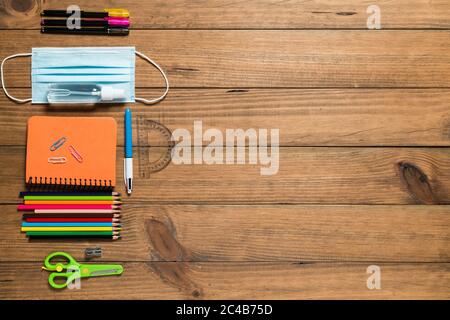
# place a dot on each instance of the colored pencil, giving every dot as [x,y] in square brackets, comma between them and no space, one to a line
[78,211]
[65,219]
[71,202]
[40,234]
[71,215]
[51,193]
[25,207]
[70,224]
[73,198]
[106,233]
[70,229]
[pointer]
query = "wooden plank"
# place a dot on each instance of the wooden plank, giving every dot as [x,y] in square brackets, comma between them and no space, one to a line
[305,175]
[300,59]
[216,233]
[181,280]
[260,14]
[364,117]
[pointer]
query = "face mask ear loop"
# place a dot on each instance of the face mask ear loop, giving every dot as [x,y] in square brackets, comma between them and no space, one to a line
[3,79]
[153,101]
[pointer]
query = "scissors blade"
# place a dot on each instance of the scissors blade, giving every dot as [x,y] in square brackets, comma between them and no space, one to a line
[105,272]
[95,270]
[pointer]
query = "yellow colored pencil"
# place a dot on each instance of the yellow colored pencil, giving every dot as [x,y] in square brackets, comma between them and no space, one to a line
[25,229]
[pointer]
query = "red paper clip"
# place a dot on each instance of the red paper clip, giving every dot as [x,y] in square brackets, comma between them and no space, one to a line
[75,154]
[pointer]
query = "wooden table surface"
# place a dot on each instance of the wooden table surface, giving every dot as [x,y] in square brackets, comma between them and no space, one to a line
[364,176]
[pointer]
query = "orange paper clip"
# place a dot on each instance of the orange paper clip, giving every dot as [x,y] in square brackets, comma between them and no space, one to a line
[75,154]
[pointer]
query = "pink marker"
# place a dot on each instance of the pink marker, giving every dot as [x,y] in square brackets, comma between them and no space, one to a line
[105,22]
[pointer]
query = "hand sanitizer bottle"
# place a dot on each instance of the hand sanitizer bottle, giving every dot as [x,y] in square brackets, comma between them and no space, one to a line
[83,93]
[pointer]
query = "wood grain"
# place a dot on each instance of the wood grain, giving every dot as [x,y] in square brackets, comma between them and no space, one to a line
[214,233]
[299,59]
[168,280]
[364,117]
[254,14]
[306,175]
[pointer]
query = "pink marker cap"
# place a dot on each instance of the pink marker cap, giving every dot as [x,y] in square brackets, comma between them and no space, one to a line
[124,22]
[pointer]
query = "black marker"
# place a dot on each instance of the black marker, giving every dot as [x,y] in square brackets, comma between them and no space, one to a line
[90,31]
[64,13]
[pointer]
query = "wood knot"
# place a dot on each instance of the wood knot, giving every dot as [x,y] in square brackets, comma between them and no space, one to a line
[22,7]
[164,244]
[169,258]
[416,182]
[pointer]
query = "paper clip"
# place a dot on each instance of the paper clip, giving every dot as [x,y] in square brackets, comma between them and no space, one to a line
[57,160]
[75,154]
[58,144]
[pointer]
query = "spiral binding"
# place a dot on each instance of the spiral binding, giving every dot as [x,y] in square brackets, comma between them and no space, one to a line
[69,183]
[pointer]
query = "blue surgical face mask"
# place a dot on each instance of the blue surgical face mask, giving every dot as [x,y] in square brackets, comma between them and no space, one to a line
[83,75]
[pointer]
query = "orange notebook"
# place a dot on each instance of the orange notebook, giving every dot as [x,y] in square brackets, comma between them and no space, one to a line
[92,138]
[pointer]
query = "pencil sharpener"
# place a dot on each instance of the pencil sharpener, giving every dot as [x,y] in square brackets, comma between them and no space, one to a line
[93,253]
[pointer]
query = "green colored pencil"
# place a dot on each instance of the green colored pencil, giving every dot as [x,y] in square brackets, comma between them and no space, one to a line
[60,234]
[73,198]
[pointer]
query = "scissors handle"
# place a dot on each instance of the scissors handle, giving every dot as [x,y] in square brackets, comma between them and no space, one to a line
[69,276]
[71,262]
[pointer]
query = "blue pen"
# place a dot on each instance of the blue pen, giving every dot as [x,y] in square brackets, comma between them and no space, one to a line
[128,161]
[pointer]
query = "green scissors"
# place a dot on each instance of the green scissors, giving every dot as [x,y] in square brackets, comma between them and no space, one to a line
[75,270]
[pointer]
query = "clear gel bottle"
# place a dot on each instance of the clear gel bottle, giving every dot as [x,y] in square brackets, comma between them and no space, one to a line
[83,93]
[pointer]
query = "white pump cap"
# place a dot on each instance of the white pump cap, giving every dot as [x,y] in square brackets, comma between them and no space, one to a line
[110,94]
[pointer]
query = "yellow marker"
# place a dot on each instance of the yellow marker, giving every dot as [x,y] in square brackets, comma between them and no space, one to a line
[117,12]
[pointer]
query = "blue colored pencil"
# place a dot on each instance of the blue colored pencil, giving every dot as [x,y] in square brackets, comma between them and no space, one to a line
[69,224]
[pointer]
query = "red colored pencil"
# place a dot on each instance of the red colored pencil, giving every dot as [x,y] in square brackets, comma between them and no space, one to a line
[62,219]
[27,215]
[27,207]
